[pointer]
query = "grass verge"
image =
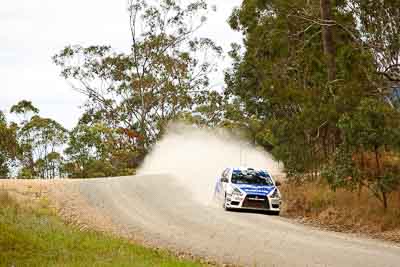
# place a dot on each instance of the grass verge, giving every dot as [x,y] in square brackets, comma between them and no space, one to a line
[34,236]
[314,203]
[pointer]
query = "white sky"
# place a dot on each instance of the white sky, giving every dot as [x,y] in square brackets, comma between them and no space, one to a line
[32,31]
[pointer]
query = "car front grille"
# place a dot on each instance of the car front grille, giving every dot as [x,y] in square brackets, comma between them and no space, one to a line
[256,201]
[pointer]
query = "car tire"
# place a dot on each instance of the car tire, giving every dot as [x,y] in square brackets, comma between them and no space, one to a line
[224,204]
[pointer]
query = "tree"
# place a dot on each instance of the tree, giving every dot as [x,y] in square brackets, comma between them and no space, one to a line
[327,38]
[41,139]
[380,27]
[24,108]
[371,132]
[8,145]
[155,82]
[95,150]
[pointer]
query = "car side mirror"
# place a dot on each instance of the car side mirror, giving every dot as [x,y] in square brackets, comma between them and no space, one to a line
[224,180]
[277,183]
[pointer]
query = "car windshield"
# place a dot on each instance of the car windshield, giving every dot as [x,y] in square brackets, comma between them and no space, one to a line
[251,178]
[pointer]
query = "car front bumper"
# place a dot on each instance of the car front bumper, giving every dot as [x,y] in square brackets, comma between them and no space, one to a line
[253,202]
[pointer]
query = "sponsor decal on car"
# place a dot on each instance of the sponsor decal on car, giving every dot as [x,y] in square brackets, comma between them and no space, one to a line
[258,190]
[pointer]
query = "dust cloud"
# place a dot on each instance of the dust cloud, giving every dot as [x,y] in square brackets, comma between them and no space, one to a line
[196,157]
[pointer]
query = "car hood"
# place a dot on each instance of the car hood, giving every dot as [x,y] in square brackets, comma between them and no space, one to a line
[261,190]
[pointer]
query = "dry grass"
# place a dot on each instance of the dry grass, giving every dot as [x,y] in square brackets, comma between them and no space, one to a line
[343,211]
[5,198]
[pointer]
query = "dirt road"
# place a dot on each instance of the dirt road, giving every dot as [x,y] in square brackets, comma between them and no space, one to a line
[160,210]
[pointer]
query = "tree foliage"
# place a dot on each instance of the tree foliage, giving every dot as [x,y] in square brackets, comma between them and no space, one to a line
[8,145]
[41,140]
[95,150]
[370,136]
[161,77]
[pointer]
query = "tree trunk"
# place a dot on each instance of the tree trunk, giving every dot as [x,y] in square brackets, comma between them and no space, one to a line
[360,183]
[327,38]
[378,165]
[378,173]
[384,200]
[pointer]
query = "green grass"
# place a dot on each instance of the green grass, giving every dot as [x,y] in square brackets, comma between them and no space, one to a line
[35,237]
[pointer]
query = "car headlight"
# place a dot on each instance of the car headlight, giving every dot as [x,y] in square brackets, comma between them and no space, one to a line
[237,192]
[275,194]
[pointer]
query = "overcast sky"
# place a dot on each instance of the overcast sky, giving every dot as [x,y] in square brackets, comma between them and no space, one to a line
[32,31]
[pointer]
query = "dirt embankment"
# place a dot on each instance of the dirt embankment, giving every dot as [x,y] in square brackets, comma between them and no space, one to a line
[63,197]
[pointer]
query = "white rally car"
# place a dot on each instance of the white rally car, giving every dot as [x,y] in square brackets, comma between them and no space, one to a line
[247,188]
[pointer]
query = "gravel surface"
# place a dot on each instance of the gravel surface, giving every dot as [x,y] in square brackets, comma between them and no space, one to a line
[161,212]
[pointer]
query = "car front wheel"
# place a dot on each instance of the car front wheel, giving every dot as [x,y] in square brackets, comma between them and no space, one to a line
[224,204]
